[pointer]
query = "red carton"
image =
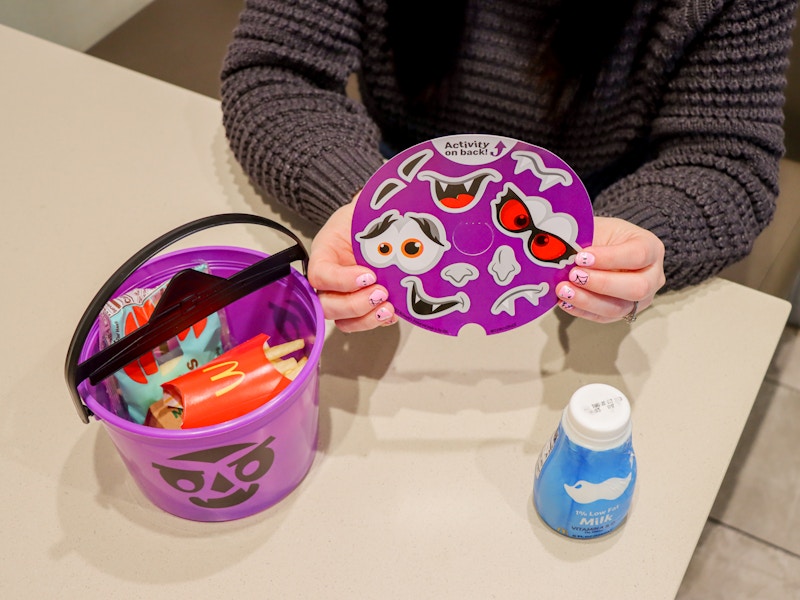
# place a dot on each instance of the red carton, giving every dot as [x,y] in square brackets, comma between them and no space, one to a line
[232,385]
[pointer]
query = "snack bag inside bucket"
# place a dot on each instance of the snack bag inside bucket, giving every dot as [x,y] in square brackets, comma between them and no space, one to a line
[134,388]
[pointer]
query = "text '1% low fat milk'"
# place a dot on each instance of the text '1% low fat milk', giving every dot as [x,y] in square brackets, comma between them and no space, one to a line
[586,473]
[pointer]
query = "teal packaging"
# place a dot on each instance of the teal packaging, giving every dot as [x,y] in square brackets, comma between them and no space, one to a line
[586,473]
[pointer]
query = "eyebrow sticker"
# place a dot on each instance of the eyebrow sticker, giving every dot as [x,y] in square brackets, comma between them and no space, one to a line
[385,192]
[549,176]
[411,166]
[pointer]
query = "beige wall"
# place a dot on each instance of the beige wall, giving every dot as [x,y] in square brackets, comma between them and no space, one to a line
[77,24]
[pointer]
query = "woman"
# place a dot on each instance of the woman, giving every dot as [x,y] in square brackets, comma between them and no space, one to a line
[669,111]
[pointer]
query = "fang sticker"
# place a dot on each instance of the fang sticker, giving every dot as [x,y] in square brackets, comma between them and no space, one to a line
[507,302]
[459,194]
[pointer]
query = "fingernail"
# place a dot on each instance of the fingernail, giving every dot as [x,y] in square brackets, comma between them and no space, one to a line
[376,297]
[585,259]
[383,313]
[566,292]
[578,276]
[567,306]
[365,279]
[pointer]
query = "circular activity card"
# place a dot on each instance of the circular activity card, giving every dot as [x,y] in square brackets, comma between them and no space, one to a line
[472,229]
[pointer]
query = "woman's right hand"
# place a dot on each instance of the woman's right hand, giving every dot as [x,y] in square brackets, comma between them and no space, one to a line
[347,291]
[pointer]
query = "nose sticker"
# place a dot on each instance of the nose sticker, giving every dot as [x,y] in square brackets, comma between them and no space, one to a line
[472,228]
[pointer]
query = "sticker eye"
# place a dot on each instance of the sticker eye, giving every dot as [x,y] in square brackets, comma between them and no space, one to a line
[514,215]
[412,248]
[384,249]
[548,247]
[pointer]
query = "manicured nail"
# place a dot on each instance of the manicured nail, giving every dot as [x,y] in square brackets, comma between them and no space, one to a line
[567,306]
[585,259]
[566,292]
[382,314]
[365,279]
[579,276]
[377,297]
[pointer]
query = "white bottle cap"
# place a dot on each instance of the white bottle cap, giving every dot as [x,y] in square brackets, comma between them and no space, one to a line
[598,417]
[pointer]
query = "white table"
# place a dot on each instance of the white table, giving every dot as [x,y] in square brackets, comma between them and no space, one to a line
[421,486]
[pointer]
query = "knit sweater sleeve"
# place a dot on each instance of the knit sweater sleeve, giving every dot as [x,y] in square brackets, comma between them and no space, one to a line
[285,111]
[711,186]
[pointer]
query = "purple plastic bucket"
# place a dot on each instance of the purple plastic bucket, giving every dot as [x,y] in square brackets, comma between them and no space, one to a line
[243,466]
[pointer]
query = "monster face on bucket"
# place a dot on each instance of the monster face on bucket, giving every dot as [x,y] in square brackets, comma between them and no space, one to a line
[219,477]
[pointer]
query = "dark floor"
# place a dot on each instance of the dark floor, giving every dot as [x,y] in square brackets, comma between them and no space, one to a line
[179,41]
[792,110]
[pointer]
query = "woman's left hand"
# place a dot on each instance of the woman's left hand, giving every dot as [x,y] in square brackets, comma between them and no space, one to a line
[624,266]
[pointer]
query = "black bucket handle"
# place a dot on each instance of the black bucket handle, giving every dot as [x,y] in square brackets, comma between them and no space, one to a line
[189,297]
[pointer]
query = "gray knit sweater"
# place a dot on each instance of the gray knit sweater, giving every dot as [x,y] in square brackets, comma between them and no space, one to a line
[682,135]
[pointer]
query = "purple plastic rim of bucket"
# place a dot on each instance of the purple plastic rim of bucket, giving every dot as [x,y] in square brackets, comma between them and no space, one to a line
[178,261]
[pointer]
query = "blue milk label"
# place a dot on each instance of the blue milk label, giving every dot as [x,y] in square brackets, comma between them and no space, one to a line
[583,493]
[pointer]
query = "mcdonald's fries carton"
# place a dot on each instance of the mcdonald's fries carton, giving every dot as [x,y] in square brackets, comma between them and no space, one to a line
[235,383]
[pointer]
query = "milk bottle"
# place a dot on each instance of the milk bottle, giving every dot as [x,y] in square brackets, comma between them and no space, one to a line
[585,475]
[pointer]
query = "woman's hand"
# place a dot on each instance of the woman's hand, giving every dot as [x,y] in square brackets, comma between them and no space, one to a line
[624,265]
[348,292]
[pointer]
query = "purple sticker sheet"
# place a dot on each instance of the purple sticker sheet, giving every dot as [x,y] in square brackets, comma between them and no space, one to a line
[472,228]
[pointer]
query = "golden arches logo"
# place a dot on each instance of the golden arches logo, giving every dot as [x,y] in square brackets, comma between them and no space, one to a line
[229,371]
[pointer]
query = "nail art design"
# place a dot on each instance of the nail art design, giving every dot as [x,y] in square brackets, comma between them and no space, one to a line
[382,314]
[365,280]
[567,293]
[377,297]
[579,277]
[585,259]
[567,306]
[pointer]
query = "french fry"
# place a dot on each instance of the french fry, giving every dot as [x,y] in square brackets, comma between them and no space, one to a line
[285,365]
[275,352]
[288,367]
[294,371]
